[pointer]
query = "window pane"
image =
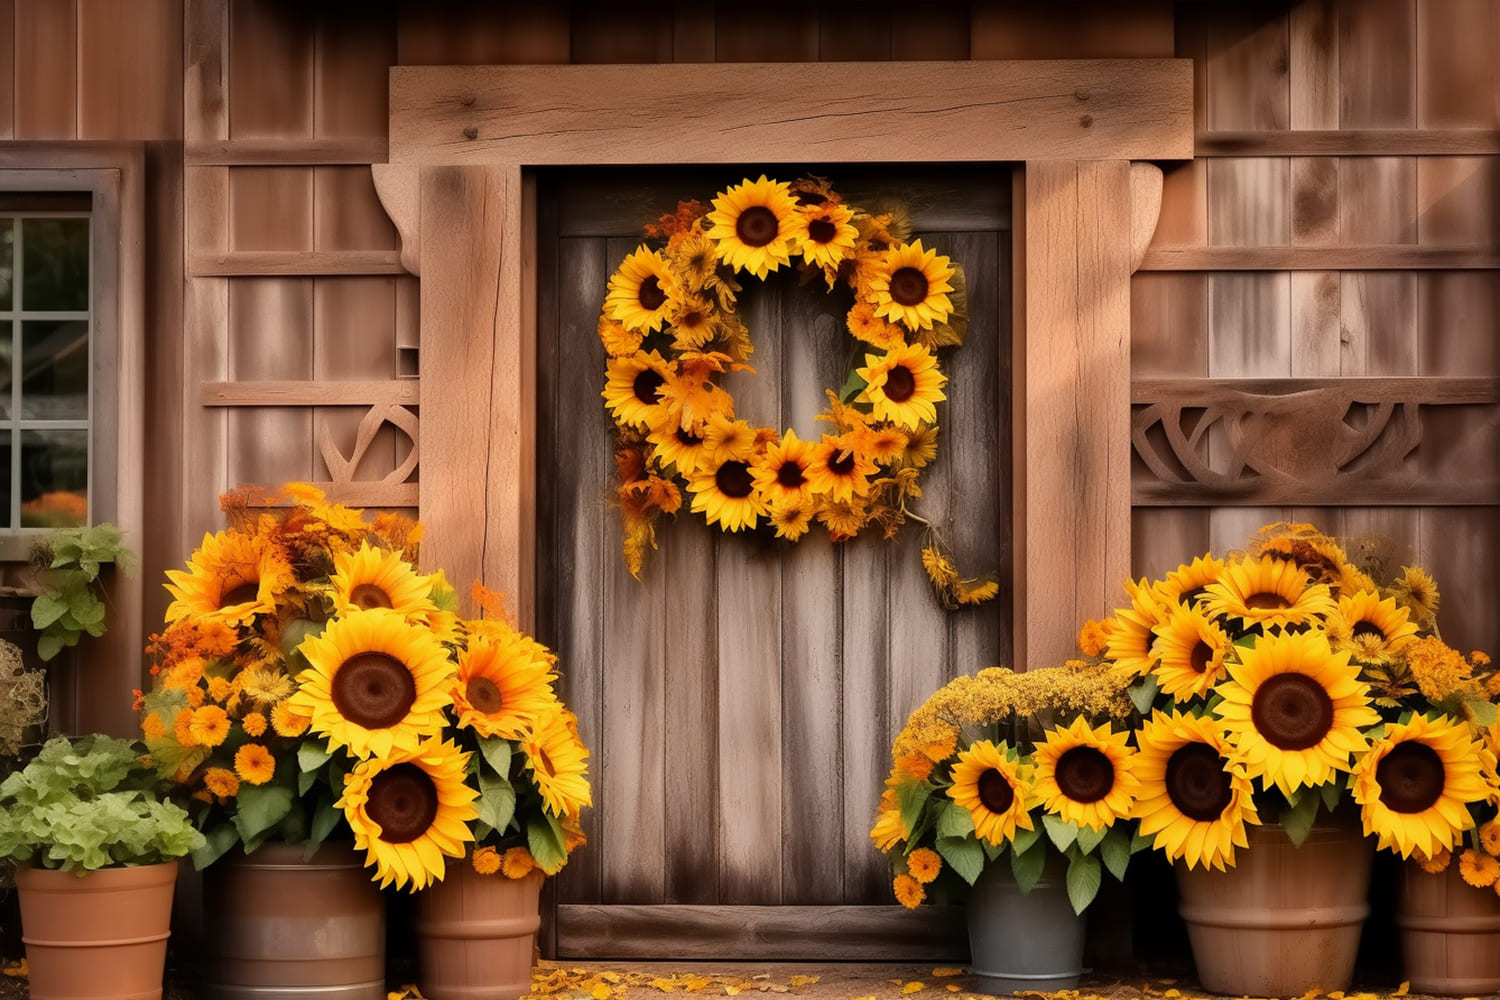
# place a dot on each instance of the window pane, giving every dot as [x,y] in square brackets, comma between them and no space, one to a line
[55,264]
[55,370]
[54,478]
[7,261]
[6,347]
[5,481]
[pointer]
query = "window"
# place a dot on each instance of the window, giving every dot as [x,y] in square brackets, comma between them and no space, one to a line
[46,299]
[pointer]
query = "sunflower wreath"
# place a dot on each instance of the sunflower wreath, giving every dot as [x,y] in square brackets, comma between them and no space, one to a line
[671,328]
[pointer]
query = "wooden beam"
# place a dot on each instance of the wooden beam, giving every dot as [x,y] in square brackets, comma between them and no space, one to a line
[259,263]
[1137,109]
[1390,257]
[1350,142]
[1384,389]
[285,152]
[288,393]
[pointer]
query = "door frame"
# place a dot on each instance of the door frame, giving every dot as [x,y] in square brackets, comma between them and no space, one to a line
[1074,136]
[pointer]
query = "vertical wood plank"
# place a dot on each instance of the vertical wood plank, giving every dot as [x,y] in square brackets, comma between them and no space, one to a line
[1457,200]
[1379,323]
[756,32]
[129,69]
[46,53]
[1079,29]
[842,38]
[8,69]
[271,208]
[869,722]
[1183,220]
[353,330]
[750,620]
[1377,199]
[1247,202]
[1458,544]
[347,214]
[1455,64]
[350,71]
[1316,329]
[1168,324]
[1314,65]
[1248,87]
[1249,325]
[1077,322]
[478,34]
[936,31]
[1454,311]
[270,337]
[206,48]
[622,33]
[270,63]
[692,32]
[1163,538]
[1377,64]
[1315,200]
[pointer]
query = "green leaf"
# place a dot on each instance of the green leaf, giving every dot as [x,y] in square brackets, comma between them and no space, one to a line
[325,818]
[912,797]
[1298,820]
[1143,693]
[496,752]
[312,755]
[963,855]
[1061,834]
[48,646]
[1088,838]
[1023,839]
[1141,842]
[1332,794]
[295,631]
[46,609]
[1482,714]
[992,852]
[1114,851]
[545,842]
[853,386]
[1084,877]
[260,808]
[497,801]
[1027,866]
[216,843]
[954,821]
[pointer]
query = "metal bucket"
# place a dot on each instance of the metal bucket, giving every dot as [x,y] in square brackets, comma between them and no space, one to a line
[277,927]
[1024,940]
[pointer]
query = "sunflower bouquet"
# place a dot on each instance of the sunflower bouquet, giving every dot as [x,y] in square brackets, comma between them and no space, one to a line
[1011,768]
[311,683]
[671,327]
[1287,680]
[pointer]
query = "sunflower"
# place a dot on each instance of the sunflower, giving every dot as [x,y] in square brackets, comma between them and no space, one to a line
[1418,591]
[1188,583]
[558,761]
[677,446]
[755,225]
[375,578]
[888,829]
[865,325]
[1190,651]
[781,473]
[725,438]
[991,783]
[1193,799]
[643,293]
[844,518]
[503,683]
[1132,630]
[634,392]
[1270,592]
[410,810]
[287,721]
[231,578]
[921,448]
[374,683]
[1416,784]
[792,520]
[824,236]
[910,287]
[1084,775]
[838,470]
[726,494]
[1294,709]
[695,324]
[903,385]
[1373,628]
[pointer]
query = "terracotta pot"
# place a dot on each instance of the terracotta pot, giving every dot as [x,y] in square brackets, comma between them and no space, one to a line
[476,935]
[1450,933]
[1024,940]
[1285,919]
[101,935]
[277,927]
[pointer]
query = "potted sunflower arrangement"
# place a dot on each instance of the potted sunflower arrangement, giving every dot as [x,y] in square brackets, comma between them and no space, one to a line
[1012,793]
[1279,688]
[320,702]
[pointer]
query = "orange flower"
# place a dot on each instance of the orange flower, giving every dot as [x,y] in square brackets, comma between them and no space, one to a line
[924,864]
[152,727]
[210,725]
[287,721]
[909,892]
[182,727]
[517,863]
[221,781]
[486,860]
[254,764]
[254,724]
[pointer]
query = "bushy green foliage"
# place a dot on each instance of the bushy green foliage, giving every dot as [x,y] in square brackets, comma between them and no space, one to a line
[71,603]
[90,803]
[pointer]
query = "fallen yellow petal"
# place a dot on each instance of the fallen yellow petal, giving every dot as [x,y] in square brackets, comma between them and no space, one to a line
[913,987]
[954,989]
[800,980]
[944,973]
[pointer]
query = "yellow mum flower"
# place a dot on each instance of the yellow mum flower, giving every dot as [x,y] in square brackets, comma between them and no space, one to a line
[209,726]
[909,892]
[517,862]
[221,782]
[1478,869]
[924,864]
[254,724]
[254,764]
[486,860]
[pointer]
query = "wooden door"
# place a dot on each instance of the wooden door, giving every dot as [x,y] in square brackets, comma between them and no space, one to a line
[741,698]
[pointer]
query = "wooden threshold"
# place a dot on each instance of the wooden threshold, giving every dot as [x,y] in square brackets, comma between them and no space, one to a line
[754,933]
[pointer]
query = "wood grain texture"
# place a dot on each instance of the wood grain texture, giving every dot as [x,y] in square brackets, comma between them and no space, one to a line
[270,62]
[1168,324]
[309,393]
[1313,68]
[1073,29]
[1077,318]
[1349,142]
[354,337]
[270,337]
[350,63]
[1132,109]
[854,933]
[276,151]
[1454,309]
[1249,325]
[1377,71]
[1247,64]
[1455,68]
[129,69]
[270,208]
[46,69]
[8,79]
[1339,258]
[1378,323]
[1247,202]
[1314,201]
[263,263]
[347,213]
[1377,200]
[1145,208]
[1458,200]
[1317,336]
[206,75]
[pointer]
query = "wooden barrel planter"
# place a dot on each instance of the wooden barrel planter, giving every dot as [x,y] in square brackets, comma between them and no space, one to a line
[1450,933]
[476,935]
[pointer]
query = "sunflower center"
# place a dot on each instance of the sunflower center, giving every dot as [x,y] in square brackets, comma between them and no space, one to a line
[900,383]
[1410,778]
[733,479]
[1292,711]
[367,596]
[908,286]
[1190,597]
[651,296]
[842,464]
[373,690]
[1266,601]
[647,386]
[1197,783]
[690,319]
[822,231]
[995,792]
[1365,628]
[688,438]
[757,226]
[809,197]
[1201,656]
[790,475]
[1084,774]
[242,594]
[484,694]
[403,800]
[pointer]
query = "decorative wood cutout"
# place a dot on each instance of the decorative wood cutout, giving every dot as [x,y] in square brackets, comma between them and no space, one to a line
[342,469]
[1315,441]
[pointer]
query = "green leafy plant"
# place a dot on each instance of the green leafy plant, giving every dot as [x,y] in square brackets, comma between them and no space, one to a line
[71,600]
[90,803]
